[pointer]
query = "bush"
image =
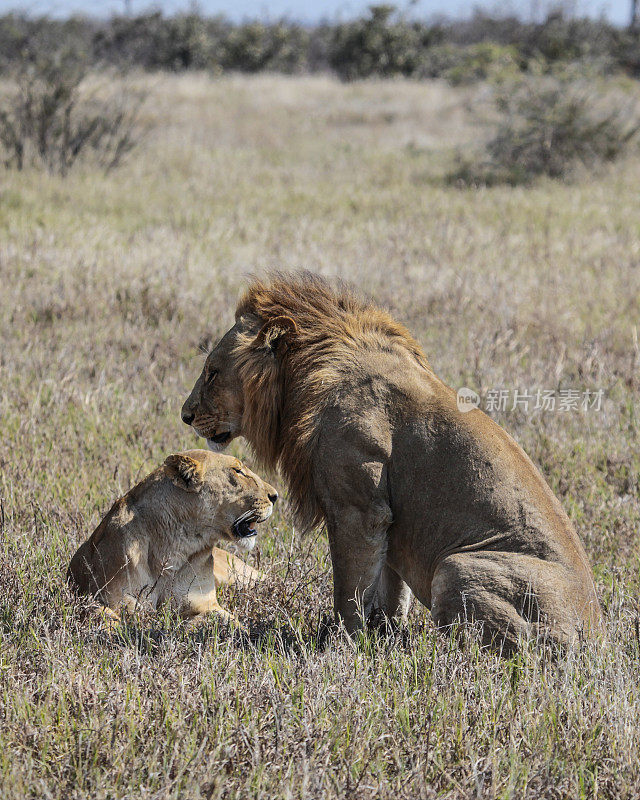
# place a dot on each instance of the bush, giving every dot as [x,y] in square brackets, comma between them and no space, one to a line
[376,45]
[460,64]
[50,118]
[548,127]
[126,41]
[254,47]
[22,36]
[559,38]
[185,41]
[626,52]
[191,41]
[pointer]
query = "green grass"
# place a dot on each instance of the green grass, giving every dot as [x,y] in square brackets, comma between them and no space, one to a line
[109,284]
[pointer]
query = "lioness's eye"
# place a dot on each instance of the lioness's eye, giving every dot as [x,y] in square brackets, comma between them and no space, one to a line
[211,376]
[239,471]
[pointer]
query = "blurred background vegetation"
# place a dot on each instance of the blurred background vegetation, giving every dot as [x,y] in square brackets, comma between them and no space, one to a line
[549,83]
[383,42]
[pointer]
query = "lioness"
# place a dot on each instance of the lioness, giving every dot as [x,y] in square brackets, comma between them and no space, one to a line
[416,495]
[157,542]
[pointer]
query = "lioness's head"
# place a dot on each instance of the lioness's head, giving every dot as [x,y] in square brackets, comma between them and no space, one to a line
[217,405]
[222,494]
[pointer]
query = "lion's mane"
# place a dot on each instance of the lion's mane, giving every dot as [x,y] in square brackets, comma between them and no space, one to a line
[285,394]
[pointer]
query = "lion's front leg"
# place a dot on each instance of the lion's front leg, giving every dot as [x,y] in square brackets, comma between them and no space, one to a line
[358,553]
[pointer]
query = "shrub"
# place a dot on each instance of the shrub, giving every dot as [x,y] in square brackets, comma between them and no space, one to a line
[125,41]
[191,41]
[254,47]
[50,118]
[562,38]
[548,127]
[185,41]
[377,45]
[460,64]
[21,34]
[558,38]
[626,51]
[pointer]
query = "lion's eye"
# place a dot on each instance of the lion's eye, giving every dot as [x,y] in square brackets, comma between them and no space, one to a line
[211,376]
[239,471]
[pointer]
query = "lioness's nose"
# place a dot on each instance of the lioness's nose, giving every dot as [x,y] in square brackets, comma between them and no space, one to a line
[187,418]
[273,496]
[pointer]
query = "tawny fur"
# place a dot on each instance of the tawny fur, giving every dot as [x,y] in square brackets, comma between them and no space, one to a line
[283,403]
[156,544]
[414,493]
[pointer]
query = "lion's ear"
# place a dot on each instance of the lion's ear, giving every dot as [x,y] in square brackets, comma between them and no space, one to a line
[275,333]
[185,472]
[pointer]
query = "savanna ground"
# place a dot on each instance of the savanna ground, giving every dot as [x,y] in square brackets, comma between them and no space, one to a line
[109,287]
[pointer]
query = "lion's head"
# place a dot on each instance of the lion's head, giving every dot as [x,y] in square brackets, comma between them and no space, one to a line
[243,363]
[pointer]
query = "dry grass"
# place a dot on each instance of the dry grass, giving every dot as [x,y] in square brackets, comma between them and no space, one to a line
[110,283]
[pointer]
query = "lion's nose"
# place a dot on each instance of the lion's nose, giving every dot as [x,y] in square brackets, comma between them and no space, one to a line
[187,418]
[273,496]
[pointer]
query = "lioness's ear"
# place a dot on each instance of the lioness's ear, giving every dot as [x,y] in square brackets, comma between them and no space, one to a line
[276,332]
[185,472]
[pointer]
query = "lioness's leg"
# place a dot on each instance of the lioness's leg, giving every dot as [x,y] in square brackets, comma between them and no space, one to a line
[393,596]
[358,551]
[194,587]
[228,570]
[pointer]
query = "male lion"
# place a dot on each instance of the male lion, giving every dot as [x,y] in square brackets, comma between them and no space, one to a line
[415,494]
[157,542]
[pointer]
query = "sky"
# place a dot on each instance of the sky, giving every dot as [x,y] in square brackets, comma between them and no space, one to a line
[313,10]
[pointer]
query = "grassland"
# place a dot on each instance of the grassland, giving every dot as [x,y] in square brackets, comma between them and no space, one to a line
[109,286]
